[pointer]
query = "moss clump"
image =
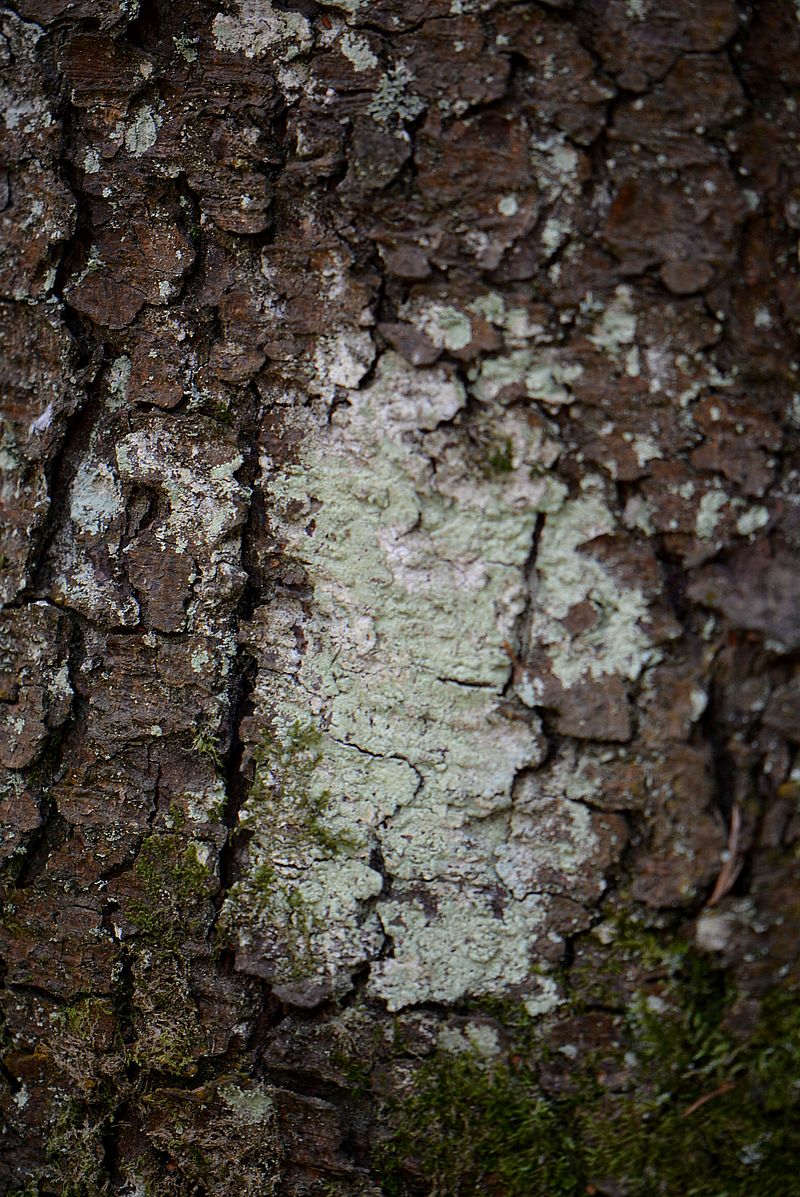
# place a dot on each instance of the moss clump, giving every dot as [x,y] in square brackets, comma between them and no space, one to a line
[288,810]
[285,786]
[685,1108]
[220,1139]
[174,885]
[75,1147]
[470,1128]
[207,744]
[500,459]
[169,1034]
[86,1019]
[707,1113]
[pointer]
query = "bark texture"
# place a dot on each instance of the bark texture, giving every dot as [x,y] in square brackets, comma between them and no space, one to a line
[400,567]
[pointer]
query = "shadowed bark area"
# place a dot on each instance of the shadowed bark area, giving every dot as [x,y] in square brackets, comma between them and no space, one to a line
[399,701]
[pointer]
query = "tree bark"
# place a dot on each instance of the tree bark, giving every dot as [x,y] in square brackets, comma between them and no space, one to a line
[398,657]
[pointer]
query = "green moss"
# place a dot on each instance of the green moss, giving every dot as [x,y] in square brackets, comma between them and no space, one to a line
[355,1069]
[285,796]
[219,410]
[284,779]
[690,1109]
[207,744]
[295,835]
[469,1128]
[708,1113]
[75,1150]
[170,1033]
[500,459]
[631,949]
[174,884]
[85,1019]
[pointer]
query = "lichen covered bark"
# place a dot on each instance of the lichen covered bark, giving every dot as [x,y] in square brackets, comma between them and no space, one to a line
[399,558]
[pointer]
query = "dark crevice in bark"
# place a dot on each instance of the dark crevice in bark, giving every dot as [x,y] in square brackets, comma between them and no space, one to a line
[52,833]
[237,777]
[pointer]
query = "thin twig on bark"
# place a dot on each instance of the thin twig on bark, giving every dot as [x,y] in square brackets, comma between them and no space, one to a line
[732,865]
[725,1087]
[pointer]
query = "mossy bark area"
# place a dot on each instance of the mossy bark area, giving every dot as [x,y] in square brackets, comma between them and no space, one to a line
[399,559]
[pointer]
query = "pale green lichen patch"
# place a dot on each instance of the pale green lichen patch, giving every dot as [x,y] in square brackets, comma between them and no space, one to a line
[480,1038]
[616,643]
[350,7]
[260,27]
[118,379]
[539,371]
[447,326]
[142,132]
[416,558]
[95,497]
[355,48]
[253,1104]
[497,373]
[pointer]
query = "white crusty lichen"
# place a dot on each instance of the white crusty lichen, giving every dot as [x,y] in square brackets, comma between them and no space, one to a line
[204,506]
[615,330]
[709,513]
[556,164]
[394,98]
[751,520]
[356,49]
[91,161]
[95,497]
[205,502]
[141,133]
[391,748]
[342,359]
[260,27]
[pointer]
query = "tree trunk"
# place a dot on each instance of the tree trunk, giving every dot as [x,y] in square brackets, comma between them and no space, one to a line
[399,559]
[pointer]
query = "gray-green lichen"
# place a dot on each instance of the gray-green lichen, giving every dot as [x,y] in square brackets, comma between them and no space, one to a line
[417,563]
[260,26]
[395,99]
[617,642]
[142,132]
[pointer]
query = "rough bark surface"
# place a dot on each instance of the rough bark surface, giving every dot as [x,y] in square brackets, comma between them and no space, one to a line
[399,564]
